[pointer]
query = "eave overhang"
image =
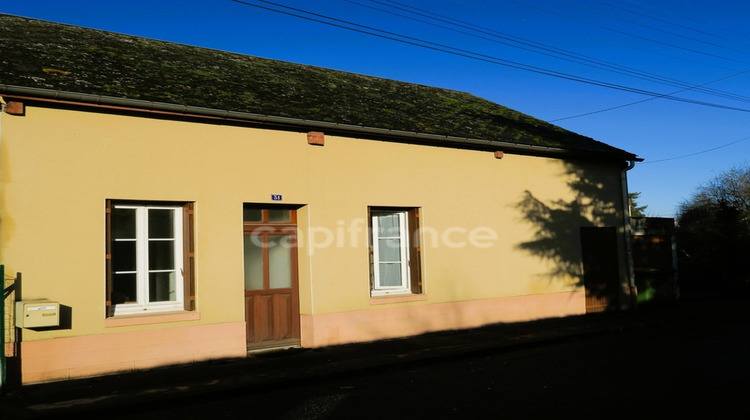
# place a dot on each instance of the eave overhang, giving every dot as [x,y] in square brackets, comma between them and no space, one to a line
[22,93]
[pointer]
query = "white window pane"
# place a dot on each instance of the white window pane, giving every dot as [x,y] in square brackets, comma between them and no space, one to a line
[161,255]
[123,223]
[253,262]
[390,275]
[280,261]
[124,288]
[389,250]
[147,258]
[388,225]
[162,287]
[124,256]
[161,223]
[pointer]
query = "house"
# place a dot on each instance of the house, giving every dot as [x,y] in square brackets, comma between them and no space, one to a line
[165,204]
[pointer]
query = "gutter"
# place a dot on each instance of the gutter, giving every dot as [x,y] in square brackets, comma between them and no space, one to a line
[40,94]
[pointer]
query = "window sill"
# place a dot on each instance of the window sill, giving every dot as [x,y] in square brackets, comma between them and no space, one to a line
[125,320]
[385,299]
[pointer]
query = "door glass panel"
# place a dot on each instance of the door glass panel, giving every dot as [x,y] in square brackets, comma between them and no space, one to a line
[279,215]
[161,287]
[250,214]
[280,261]
[253,262]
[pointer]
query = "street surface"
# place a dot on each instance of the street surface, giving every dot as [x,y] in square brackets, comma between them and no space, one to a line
[694,365]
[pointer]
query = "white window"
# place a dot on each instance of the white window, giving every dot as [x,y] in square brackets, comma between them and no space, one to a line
[147,258]
[395,262]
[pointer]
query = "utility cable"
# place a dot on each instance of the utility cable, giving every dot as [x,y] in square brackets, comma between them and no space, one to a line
[654,28]
[319,18]
[544,49]
[658,19]
[697,153]
[628,33]
[644,100]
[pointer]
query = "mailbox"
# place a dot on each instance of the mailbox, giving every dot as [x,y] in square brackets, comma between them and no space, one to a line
[37,313]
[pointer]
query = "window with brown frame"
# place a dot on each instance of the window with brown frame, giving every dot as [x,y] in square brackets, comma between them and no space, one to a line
[149,257]
[394,251]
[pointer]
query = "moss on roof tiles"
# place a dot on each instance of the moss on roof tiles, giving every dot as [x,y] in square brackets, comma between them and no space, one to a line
[55,56]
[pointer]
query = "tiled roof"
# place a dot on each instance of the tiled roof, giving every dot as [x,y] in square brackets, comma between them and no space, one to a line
[62,58]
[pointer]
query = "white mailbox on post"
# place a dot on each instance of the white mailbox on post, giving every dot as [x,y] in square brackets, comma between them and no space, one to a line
[37,313]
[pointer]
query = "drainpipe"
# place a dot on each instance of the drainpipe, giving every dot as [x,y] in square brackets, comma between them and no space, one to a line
[2,329]
[633,290]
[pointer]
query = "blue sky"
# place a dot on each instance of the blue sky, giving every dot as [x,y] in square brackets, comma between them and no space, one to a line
[668,80]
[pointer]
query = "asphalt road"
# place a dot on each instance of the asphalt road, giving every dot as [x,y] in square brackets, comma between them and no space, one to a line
[695,366]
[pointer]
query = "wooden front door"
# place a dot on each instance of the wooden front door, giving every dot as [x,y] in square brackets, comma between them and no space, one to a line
[271,286]
[601,271]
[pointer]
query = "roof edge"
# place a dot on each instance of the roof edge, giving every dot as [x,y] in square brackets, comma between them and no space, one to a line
[187,110]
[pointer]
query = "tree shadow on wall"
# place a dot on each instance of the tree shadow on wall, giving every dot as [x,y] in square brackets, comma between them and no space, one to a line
[557,230]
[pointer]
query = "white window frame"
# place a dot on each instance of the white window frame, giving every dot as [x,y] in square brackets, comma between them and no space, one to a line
[142,271]
[377,288]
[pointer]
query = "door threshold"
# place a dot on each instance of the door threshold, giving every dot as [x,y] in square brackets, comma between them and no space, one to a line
[273,347]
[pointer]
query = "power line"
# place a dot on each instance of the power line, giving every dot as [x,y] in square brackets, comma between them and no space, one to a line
[484,30]
[539,48]
[368,30]
[658,19]
[657,10]
[343,24]
[698,153]
[643,100]
[627,33]
[609,66]
[651,27]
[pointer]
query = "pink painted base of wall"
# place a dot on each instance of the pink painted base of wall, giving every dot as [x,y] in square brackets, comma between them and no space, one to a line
[402,321]
[76,357]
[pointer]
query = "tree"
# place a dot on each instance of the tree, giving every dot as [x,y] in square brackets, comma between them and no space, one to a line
[713,235]
[635,209]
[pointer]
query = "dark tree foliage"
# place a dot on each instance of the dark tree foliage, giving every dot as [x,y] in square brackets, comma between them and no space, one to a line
[713,236]
[636,210]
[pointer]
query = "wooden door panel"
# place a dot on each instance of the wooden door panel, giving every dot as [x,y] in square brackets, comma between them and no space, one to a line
[283,312]
[264,313]
[272,314]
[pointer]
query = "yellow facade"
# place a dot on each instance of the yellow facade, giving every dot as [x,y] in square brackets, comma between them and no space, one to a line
[487,256]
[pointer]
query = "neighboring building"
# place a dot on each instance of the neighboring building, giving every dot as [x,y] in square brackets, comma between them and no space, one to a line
[183,204]
[654,247]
